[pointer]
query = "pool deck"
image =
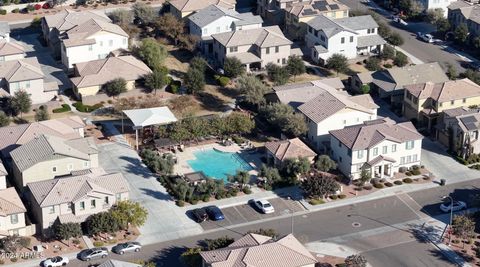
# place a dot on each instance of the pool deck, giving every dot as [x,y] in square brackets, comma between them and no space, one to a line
[183,167]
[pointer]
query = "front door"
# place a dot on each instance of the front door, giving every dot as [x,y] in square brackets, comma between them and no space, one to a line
[386,169]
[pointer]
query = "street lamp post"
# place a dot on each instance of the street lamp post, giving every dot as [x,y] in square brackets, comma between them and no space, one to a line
[291,218]
[451,218]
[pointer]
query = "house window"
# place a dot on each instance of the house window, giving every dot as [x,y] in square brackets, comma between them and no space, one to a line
[90,47]
[82,205]
[345,14]
[85,164]
[205,31]
[284,61]
[233,49]
[394,148]
[27,84]
[368,30]
[110,42]
[118,197]
[106,200]
[51,209]
[351,39]
[14,218]
[267,50]
[322,38]
[384,150]
[414,158]
[409,159]
[402,160]
[340,159]
[409,145]
[54,169]
[373,30]
[277,49]
[452,102]
[2,58]
[342,40]
[375,151]
[344,122]
[360,154]
[93,204]
[70,166]
[69,207]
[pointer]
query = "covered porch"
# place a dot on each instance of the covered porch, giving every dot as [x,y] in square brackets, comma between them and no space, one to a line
[381,167]
[369,44]
[250,61]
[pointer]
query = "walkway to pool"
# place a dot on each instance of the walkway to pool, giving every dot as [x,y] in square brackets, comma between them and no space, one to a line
[182,167]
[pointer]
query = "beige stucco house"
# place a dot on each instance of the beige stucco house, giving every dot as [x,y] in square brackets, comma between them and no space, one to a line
[74,198]
[11,51]
[278,151]
[47,156]
[92,75]
[184,8]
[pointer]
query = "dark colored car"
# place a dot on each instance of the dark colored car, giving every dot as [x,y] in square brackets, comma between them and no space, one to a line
[200,215]
[127,247]
[93,253]
[215,213]
[473,66]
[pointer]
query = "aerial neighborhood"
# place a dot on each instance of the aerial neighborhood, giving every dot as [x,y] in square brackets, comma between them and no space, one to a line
[269,133]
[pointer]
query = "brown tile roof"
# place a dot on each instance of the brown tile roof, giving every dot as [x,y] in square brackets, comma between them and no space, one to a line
[10,202]
[286,252]
[261,37]
[10,48]
[446,91]
[67,19]
[13,136]
[21,70]
[79,35]
[75,188]
[370,133]
[99,72]
[196,5]
[287,149]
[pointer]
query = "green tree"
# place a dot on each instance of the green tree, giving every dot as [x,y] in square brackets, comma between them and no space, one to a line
[188,42]
[129,213]
[356,260]
[451,72]
[295,66]
[221,242]
[277,74]
[233,67]
[295,125]
[103,222]
[253,89]
[194,81]
[265,232]
[395,39]
[365,176]
[338,63]
[400,59]
[324,163]
[464,227]
[383,30]
[41,114]
[121,17]
[144,14]
[282,117]
[461,33]
[241,177]
[472,75]
[21,102]
[443,25]
[388,52]
[238,123]
[433,15]
[171,26]
[365,89]
[199,63]
[66,231]
[319,186]
[157,79]
[10,243]
[293,167]
[373,64]
[476,42]
[271,175]
[191,257]
[4,119]
[152,53]
[115,87]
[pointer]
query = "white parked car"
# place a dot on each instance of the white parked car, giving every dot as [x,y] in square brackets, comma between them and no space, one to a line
[397,19]
[56,261]
[426,37]
[264,206]
[457,205]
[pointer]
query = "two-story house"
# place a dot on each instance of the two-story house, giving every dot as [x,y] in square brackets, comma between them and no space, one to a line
[184,8]
[425,102]
[11,51]
[26,74]
[216,19]
[47,156]
[326,108]
[255,48]
[91,40]
[463,12]
[90,77]
[380,146]
[53,26]
[74,198]
[350,36]
[246,250]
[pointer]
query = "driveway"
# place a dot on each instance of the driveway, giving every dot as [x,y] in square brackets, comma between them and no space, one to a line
[165,221]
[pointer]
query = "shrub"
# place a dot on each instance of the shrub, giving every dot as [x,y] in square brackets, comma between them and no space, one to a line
[98,244]
[333,197]
[416,172]
[206,198]
[76,241]
[388,66]
[388,184]
[379,186]
[407,180]
[398,182]
[37,6]
[367,187]
[342,196]
[408,173]
[247,191]
[238,139]
[359,188]
[174,86]
[194,201]
[316,201]
[340,265]
[64,108]
[222,80]
[229,195]
[180,203]
[15,259]
[86,108]
[416,179]
[402,169]
[3,12]
[16,10]
[415,167]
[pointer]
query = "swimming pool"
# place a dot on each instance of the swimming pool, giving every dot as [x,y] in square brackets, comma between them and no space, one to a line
[217,164]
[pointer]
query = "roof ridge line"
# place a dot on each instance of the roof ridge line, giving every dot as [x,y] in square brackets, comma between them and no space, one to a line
[56,181]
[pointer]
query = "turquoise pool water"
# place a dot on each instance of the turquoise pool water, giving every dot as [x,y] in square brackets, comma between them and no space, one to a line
[218,165]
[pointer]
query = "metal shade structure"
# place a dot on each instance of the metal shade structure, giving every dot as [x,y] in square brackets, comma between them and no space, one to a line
[148,117]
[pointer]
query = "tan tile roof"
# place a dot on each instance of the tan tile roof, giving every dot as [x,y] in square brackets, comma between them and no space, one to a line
[79,35]
[67,19]
[370,133]
[49,147]
[298,93]
[99,72]
[3,171]
[309,8]
[446,91]
[10,202]
[288,149]
[13,136]
[196,5]
[421,73]
[10,48]
[74,188]
[261,37]
[21,70]
[286,252]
